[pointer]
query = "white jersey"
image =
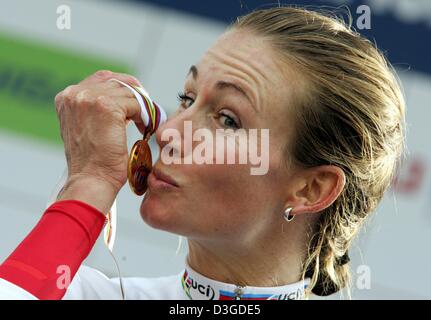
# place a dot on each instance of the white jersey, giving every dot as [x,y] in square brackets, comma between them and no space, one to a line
[91,284]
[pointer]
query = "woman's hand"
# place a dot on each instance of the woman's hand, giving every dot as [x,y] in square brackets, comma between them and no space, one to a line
[93,118]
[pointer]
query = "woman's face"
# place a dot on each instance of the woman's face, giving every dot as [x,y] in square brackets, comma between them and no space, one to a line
[225,202]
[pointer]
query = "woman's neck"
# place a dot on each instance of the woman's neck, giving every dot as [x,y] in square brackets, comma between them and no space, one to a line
[256,267]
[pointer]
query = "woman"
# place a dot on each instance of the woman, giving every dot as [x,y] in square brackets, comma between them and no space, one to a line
[335,116]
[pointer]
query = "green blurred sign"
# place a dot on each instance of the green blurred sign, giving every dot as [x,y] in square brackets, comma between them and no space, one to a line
[31,74]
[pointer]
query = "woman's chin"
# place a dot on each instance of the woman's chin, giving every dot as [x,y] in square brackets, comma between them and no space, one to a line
[155,214]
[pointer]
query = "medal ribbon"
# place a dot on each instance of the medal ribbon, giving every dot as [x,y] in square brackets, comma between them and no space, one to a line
[152,116]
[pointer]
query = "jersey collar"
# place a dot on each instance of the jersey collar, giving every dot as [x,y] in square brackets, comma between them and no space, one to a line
[198,287]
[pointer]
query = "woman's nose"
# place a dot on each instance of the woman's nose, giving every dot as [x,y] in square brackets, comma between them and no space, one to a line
[172,131]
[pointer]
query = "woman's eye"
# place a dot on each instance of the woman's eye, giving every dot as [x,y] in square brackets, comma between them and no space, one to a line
[225,119]
[185,100]
[228,121]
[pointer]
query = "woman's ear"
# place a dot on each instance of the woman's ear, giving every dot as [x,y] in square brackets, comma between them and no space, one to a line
[318,188]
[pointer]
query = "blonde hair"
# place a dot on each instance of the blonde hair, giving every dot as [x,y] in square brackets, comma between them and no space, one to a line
[352,117]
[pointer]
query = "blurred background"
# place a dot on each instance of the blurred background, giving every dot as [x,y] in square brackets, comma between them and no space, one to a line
[157,41]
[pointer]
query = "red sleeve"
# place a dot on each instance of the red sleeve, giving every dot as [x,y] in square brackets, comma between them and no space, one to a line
[61,240]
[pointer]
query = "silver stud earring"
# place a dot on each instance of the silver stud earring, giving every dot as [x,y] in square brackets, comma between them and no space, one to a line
[287,216]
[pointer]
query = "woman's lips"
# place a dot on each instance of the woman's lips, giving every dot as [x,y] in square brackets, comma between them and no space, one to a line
[158,178]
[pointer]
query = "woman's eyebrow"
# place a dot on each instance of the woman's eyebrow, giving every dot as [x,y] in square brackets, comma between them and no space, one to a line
[223,85]
[194,71]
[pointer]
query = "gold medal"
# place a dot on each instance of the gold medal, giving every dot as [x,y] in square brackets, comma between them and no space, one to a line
[140,165]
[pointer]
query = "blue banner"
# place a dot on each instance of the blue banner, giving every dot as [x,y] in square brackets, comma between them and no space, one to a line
[402,29]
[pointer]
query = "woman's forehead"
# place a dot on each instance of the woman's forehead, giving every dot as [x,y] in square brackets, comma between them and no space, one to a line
[244,51]
[251,60]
